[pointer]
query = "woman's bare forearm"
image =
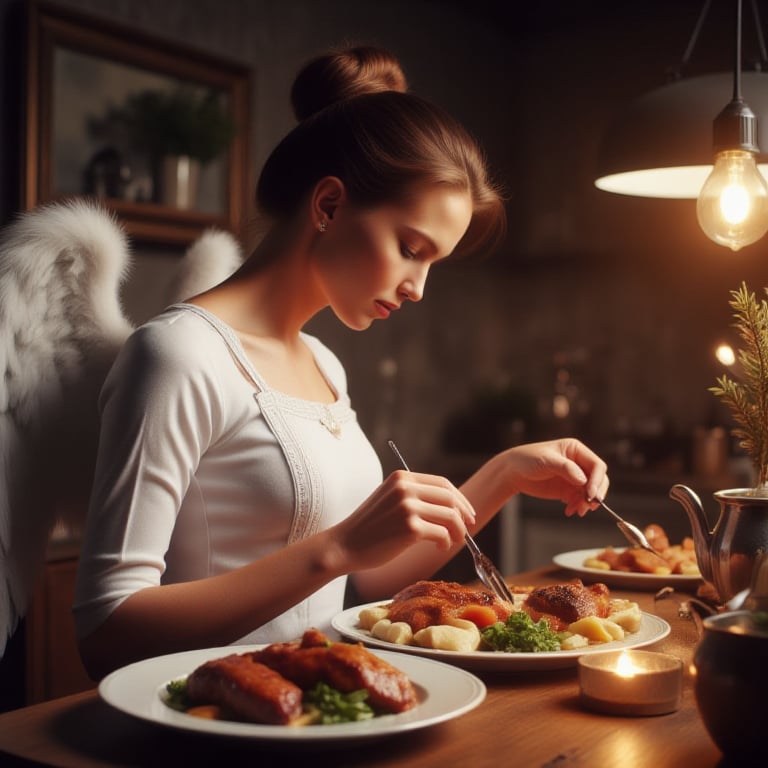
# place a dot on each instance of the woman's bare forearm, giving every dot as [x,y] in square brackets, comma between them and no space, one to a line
[213,611]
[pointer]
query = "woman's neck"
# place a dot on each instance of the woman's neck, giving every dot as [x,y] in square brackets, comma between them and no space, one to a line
[272,295]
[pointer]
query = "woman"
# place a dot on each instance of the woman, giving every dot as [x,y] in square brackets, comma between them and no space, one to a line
[234,490]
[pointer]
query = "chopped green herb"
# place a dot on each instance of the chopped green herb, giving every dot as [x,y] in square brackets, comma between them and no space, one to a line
[760,619]
[176,692]
[337,707]
[326,705]
[520,634]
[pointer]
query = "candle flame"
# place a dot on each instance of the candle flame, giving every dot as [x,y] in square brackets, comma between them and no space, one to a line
[625,667]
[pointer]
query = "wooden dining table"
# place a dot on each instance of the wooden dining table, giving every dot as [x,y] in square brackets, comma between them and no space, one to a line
[531,717]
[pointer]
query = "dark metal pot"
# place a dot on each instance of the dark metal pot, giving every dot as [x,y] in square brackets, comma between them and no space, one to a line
[731,683]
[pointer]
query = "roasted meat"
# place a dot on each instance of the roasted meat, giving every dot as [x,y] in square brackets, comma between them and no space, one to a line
[343,666]
[245,690]
[267,686]
[656,536]
[640,561]
[426,603]
[669,558]
[562,604]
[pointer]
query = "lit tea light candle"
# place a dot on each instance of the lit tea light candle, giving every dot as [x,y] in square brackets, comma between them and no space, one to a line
[631,682]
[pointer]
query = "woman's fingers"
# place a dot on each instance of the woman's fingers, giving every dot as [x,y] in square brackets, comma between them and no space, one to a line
[434,497]
[406,508]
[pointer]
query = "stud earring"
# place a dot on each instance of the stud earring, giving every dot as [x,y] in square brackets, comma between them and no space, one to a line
[322,225]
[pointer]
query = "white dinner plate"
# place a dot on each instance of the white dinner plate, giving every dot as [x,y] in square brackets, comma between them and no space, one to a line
[443,691]
[652,628]
[574,562]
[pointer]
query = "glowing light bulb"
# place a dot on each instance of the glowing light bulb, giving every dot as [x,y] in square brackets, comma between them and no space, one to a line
[734,204]
[732,207]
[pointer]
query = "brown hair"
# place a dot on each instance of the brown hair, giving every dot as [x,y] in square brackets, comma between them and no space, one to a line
[358,122]
[343,74]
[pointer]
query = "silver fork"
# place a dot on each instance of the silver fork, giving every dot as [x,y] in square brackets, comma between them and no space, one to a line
[488,573]
[632,533]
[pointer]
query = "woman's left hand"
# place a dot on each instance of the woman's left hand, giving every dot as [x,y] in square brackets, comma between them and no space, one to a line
[562,469]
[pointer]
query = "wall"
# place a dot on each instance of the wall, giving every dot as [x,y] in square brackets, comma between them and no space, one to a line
[627,296]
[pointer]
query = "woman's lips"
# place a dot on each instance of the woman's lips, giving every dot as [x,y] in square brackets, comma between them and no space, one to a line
[385,308]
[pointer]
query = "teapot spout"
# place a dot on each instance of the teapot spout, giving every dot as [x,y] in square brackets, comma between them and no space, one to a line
[700,532]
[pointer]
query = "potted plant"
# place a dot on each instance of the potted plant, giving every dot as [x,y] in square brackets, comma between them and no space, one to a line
[728,551]
[747,399]
[179,130]
[186,121]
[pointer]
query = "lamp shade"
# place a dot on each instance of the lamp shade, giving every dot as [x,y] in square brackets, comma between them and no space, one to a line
[661,145]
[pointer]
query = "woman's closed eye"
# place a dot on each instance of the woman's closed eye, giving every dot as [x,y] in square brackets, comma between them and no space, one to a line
[407,252]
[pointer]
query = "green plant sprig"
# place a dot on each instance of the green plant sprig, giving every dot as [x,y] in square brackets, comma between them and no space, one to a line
[748,399]
[185,121]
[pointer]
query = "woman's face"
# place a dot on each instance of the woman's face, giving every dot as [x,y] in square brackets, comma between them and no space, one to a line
[370,261]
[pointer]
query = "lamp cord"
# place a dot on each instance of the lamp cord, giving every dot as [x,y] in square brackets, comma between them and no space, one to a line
[759,31]
[694,37]
[686,58]
[737,62]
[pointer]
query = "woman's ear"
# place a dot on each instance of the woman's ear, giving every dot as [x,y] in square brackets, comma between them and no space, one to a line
[328,194]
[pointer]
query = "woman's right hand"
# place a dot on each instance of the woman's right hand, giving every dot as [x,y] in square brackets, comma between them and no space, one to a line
[406,508]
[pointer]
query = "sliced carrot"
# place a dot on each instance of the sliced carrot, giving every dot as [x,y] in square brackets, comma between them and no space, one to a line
[206,711]
[480,615]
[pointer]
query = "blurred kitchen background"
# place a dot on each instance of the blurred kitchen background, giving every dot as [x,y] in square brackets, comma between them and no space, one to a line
[600,316]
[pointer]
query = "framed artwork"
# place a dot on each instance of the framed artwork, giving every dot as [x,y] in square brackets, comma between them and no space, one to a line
[155,130]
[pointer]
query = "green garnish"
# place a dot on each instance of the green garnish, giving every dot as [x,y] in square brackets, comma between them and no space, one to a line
[337,707]
[324,704]
[176,692]
[760,619]
[520,634]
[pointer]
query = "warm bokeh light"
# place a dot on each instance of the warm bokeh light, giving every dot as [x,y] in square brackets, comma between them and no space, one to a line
[725,354]
[561,407]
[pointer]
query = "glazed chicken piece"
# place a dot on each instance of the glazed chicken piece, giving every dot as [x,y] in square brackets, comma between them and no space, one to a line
[342,666]
[562,604]
[657,537]
[246,690]
[635,560]
[426,603]
[643,561]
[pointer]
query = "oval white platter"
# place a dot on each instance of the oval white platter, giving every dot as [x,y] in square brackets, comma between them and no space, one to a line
[652,629]
[574,562]
[444,692]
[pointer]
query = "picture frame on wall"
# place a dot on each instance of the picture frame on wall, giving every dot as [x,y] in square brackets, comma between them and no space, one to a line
[155,130]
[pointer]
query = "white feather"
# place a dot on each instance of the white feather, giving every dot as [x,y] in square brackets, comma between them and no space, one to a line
[214,257]
[61,324]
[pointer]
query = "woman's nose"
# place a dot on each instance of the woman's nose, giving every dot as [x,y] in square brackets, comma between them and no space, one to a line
[412,288]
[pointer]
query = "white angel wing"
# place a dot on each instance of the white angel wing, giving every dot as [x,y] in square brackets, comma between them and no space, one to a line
[209,260]
[61,324]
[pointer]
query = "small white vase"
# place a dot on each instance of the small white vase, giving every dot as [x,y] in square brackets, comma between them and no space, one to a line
[178,181]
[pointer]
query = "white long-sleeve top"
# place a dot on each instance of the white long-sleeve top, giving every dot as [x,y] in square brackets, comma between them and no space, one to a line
[203,468]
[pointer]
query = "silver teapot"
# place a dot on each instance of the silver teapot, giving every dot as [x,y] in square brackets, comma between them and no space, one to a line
[728,552]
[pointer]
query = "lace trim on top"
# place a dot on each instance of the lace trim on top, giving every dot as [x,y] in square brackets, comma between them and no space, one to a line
[274,405]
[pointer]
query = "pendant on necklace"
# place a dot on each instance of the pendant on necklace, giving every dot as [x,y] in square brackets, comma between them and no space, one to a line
[330,423]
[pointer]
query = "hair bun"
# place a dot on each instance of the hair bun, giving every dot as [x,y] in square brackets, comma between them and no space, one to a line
[343,74]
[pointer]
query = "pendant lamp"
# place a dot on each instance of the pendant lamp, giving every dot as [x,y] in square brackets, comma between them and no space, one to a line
[664,143]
